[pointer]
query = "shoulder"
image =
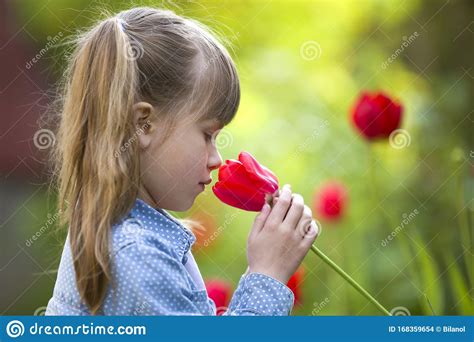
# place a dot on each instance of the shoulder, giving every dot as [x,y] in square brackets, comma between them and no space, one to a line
[149,229]
[142,257]
[131,234]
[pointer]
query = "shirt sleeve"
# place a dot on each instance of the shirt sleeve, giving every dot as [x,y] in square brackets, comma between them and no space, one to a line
[260,295]
[149,281]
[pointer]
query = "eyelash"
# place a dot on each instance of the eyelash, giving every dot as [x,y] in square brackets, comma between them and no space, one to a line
[208,136]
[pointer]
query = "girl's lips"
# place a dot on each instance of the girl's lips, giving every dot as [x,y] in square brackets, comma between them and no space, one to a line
[202,185]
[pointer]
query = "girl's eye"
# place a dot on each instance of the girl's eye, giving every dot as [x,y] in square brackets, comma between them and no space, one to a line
[208,136]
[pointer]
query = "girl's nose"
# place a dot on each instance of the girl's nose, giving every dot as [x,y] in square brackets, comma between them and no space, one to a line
[215,160]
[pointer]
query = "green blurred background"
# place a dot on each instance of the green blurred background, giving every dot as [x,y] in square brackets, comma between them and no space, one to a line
[302,65]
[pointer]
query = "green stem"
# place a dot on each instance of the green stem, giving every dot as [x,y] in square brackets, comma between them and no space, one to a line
[349,279]
[464,222]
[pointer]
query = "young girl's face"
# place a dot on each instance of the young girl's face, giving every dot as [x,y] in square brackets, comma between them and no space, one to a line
[175,171]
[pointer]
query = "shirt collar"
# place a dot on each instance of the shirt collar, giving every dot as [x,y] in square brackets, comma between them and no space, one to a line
[151,219]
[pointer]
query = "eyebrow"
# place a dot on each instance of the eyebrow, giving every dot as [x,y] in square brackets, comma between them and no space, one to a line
[212,123]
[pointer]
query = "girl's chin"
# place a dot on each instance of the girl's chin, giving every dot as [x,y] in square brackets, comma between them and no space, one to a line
[186,204]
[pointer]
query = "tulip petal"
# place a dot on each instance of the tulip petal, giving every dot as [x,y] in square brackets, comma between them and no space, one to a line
[240,197]
[264,179]
[364,116]
[223,175]
[233,172]
[235,178]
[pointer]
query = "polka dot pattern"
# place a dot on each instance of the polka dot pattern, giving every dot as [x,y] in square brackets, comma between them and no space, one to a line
[154,273]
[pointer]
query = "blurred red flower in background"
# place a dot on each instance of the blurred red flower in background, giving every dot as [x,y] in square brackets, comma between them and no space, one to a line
[220,292]
[244,183]
[330,200]
[294,283]
[375,115]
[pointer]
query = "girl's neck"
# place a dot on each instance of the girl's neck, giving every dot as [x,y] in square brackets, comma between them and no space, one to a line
[145,196]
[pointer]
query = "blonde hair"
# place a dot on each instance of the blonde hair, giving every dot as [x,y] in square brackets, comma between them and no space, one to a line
[141,54]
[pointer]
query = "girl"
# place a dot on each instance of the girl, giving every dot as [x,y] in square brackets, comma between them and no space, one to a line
[144,96]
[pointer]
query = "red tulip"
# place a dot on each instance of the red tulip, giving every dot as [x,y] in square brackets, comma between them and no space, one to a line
[220,292]
[295,282]
[376,115]
[244,183]
[331,200]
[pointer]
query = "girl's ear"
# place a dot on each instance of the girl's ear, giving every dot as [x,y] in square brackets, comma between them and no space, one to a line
[142,120]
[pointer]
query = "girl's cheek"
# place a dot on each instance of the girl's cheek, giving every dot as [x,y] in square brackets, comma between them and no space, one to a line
[198,146]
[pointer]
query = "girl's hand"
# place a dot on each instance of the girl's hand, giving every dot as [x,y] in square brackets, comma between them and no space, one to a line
[281,236]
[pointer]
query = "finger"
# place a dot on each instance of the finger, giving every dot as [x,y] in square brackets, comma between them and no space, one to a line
[295,212]
[305,219]
[319,227]
[281,207]
[261,218]
[303,228]
[275,197]
[312,233]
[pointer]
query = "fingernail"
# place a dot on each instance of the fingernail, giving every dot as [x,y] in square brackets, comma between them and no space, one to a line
[317,227]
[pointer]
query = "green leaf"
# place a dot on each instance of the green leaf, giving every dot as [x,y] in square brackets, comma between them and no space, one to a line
[430,281]
[459,287]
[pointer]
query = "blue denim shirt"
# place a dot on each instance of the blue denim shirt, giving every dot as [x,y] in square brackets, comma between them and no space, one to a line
[149,251]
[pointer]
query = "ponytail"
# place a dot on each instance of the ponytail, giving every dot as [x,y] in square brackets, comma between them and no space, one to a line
[94,180]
